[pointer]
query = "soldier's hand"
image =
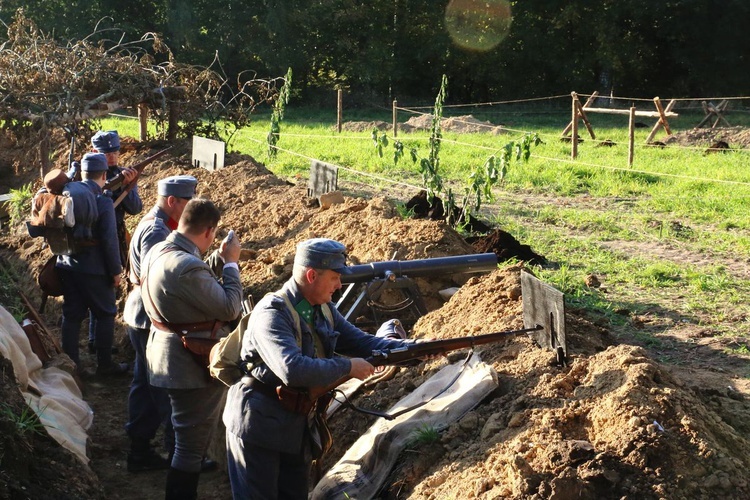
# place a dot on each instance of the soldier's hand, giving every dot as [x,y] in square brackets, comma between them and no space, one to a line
[361,369]
[117,278]
[229,251]
[129,174]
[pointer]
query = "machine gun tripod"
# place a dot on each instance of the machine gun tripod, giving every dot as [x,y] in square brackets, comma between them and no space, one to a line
[368,284]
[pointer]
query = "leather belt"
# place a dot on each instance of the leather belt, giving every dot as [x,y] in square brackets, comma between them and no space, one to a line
[261,387]
[185,328]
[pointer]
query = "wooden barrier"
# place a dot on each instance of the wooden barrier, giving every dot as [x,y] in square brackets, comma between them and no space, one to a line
[579,113]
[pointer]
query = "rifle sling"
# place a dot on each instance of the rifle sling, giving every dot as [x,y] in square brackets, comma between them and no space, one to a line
[392,416]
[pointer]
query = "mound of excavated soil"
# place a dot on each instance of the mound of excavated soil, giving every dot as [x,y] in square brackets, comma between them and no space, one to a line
[734,137]
[614,423]
[460,124]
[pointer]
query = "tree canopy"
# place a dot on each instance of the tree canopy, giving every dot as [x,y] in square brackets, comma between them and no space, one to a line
[400,48]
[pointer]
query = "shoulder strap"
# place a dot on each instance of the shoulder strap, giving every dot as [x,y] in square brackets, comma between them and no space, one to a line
[295,315]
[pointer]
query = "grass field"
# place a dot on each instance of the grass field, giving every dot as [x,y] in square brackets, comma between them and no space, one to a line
[672,230]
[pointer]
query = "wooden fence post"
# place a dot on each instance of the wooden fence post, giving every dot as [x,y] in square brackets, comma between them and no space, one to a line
[143,121]
[631,136]
[395,118]
[339,111]
[574,127]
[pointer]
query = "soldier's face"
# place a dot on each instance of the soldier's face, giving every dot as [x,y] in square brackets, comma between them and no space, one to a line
[323,285]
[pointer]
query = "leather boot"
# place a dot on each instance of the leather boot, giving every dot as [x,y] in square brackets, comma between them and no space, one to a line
[143,457]
[181,485]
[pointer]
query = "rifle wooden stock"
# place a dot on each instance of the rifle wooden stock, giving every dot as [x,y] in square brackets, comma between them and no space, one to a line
[116,181]
[402,356]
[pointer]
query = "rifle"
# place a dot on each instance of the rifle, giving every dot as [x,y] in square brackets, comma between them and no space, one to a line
[115,182]
[409,355]
[367,283]
[543,317]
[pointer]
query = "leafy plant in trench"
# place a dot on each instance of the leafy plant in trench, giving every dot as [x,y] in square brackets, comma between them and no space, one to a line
[26,421]
[19,202]
[278,114]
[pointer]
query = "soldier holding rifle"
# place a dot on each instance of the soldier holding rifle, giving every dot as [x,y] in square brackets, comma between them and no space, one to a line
[290,340]
[108,143]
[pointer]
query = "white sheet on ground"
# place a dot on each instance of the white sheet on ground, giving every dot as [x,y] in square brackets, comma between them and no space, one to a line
[360,473]
[50,392]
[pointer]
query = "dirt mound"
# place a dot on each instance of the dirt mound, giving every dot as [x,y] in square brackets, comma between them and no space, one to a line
[734,137]
[613,423]
[461,124]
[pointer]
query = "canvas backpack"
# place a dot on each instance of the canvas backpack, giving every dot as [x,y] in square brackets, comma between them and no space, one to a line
[225,360]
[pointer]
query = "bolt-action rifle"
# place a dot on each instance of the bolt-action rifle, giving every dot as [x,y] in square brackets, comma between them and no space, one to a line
[302,401]
[116,182]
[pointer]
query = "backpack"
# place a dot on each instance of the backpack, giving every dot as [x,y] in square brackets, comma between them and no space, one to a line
[224,360]
[64,217]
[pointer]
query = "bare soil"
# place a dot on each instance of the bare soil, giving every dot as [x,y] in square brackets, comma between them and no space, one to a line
[616,422]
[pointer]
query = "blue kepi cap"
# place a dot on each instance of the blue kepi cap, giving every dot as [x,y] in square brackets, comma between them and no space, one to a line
[322,253]
[93,162]
[106,142]
[181,186]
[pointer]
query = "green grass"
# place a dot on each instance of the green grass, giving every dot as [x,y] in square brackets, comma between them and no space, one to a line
[587,216]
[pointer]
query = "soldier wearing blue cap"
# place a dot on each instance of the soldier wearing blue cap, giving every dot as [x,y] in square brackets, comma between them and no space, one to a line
[149,406]
[91,275]
[270,447]
[108,143]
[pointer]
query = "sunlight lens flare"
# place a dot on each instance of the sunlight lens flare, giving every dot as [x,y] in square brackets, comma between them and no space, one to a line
[478,24]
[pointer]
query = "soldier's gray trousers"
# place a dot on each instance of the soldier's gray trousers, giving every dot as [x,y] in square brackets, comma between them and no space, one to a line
[195,413]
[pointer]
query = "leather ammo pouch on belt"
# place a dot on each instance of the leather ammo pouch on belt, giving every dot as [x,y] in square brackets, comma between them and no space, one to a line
[199,346]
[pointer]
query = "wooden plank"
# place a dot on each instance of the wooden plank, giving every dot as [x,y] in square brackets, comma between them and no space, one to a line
[650,114]
[544,305]
[631,136]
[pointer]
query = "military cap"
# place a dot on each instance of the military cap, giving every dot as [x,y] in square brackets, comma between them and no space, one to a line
[181,186]
[322,253]
[106,142]
[93,162]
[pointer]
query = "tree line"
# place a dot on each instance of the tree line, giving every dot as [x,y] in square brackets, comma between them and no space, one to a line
[398,49]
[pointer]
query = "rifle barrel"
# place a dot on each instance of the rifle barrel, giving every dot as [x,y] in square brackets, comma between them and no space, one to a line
[116,181]
[473,263]
[434,347]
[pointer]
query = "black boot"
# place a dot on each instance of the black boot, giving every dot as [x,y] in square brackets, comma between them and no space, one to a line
[182,485]
[143,457]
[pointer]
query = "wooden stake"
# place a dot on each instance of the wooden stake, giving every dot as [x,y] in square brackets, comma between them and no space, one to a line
[588,102]
[339,110]
[631,136]
[395,118]
[143,121]
[574,127]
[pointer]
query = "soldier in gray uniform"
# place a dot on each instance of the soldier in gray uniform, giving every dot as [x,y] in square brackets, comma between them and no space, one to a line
[189,306]
[91,274]
[268,446]
[149,406]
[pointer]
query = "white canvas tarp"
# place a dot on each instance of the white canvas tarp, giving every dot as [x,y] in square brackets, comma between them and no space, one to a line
[50,392]
[362,470]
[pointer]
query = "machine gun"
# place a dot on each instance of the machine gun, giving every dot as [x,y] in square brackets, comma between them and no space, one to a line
[368,282]
[543,318]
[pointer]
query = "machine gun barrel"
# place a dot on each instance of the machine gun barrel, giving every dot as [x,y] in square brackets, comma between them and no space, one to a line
[473,263]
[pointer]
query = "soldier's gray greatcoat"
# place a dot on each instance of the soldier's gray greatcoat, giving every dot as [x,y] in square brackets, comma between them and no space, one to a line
[184,289]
